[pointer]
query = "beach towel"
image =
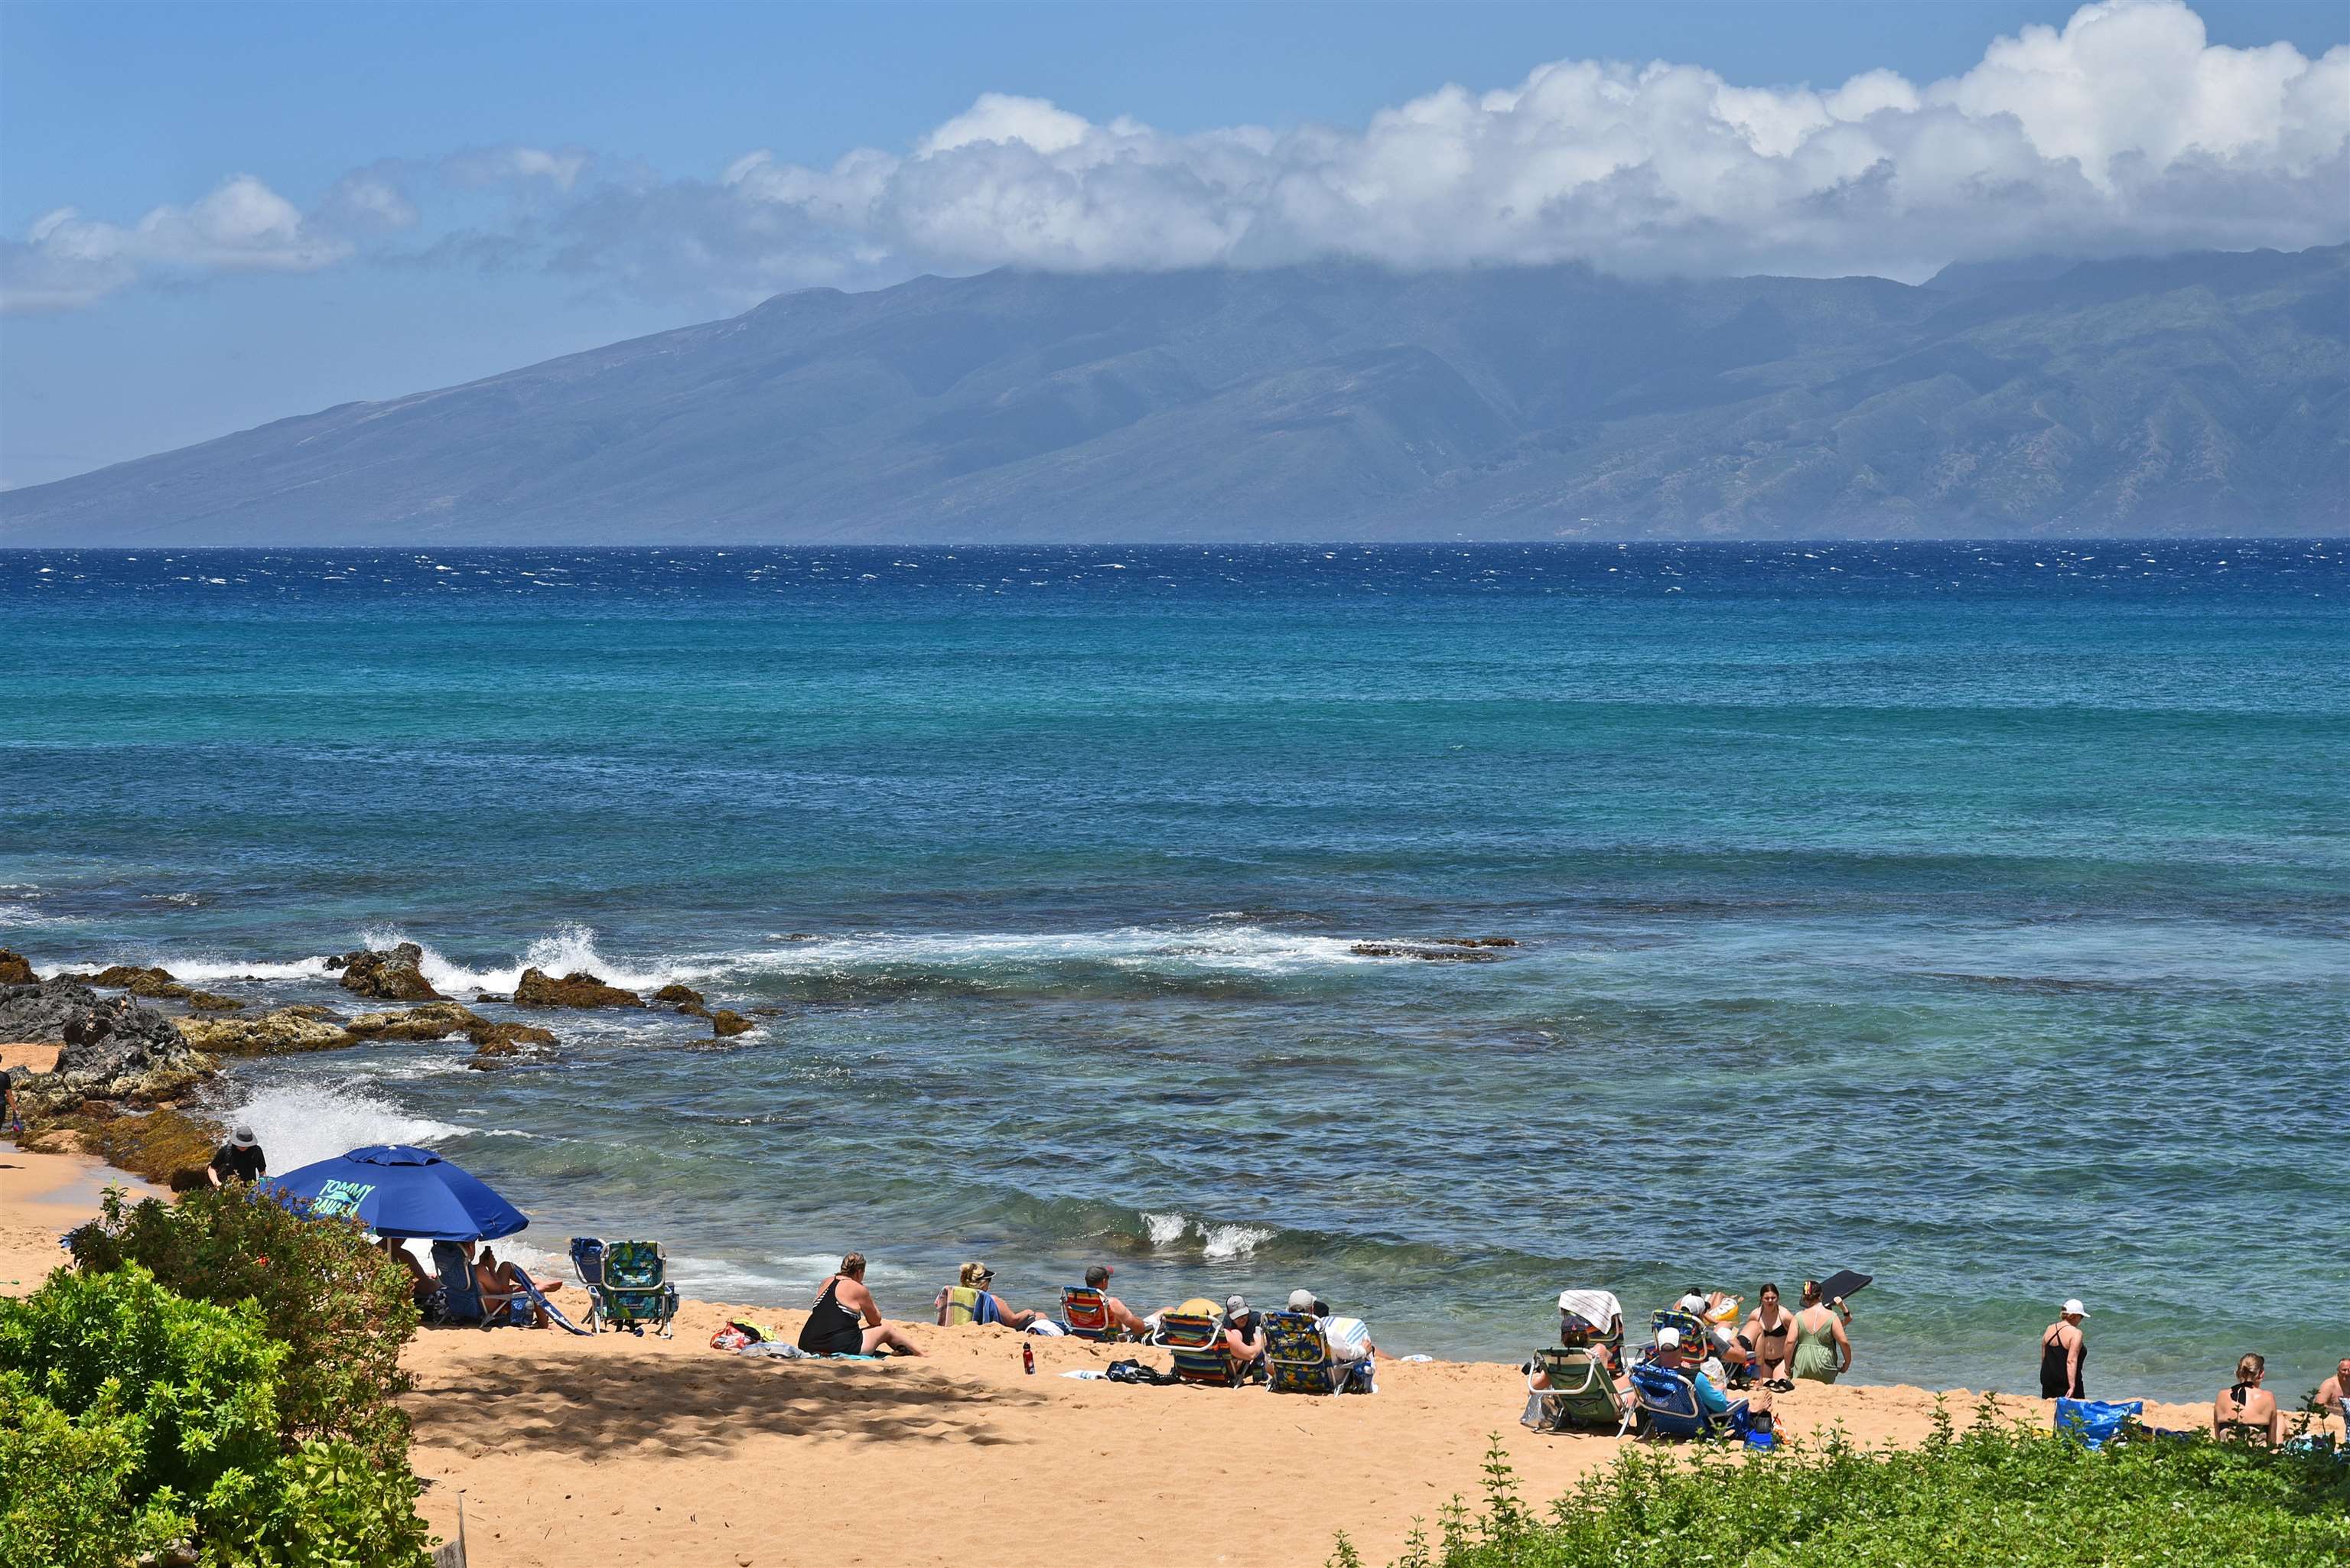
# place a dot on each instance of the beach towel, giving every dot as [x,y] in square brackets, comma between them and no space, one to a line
[1598,1308]
[783,1350]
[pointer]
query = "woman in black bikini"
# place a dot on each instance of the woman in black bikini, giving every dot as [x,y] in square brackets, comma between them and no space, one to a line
[847,1320]
[2248,1410]
[1769,1334]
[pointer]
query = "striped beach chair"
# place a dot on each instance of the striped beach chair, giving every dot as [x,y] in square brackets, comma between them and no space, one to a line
[1197,1344]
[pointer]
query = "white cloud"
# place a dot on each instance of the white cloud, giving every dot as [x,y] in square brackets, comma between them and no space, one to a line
[2126,130]
[67,260]
[2113,132]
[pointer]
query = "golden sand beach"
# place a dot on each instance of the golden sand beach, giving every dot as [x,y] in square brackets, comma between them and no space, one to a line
[567,1450]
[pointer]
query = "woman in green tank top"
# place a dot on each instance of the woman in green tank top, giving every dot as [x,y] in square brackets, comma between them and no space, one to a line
[1822,1350]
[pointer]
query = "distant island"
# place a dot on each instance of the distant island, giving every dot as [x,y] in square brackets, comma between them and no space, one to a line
[2203,394]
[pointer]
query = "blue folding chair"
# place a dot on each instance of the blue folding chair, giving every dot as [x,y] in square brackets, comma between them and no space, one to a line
[1668,1405]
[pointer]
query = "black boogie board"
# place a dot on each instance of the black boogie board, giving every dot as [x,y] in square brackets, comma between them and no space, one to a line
[1843,1283]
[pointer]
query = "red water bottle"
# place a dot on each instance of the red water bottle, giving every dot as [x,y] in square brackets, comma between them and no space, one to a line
[1028,1359]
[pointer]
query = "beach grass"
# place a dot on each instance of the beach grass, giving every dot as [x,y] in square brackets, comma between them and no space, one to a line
[1994,1492]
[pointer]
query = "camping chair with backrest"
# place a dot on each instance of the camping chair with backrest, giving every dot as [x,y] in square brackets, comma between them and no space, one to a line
[462,1299]
[1582,1395]
[627,1285]
[1668,1404]
[1692,1329]
[1196,1343]
[1085,1312]
[1298,1355]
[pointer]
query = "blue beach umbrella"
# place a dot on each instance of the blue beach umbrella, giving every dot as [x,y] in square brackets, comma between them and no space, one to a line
[394,1190]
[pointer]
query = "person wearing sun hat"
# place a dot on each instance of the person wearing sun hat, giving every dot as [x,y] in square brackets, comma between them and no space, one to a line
[239,1160]
[2064,1351]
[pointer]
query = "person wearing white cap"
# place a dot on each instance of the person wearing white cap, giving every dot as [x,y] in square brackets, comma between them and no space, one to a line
[1352,1355]
[239,1160]
[2064,1351]
[1243,1341]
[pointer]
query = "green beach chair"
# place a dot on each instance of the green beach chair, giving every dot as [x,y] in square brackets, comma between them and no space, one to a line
[1582,1395]
[627,1285]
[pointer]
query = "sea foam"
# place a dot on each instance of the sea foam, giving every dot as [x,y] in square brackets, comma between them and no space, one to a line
[568,949]
[299,1123]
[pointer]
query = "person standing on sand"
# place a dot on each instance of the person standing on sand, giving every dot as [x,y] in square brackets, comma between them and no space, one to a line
[10,1116]
[846,1320]
[1771,1334]
[2064,1351]
[1823,1350]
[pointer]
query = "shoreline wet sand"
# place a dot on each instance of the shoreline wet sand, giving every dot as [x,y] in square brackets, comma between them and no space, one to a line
[568,1450]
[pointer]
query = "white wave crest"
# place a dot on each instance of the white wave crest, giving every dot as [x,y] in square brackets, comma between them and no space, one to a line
[1217,1243]
[199,970]
[1246,948]
[568,948]
[1220,1243]
[1165,1230]
[302,1122]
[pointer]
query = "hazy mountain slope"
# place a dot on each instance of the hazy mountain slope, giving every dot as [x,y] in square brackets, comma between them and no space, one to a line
[2196,394]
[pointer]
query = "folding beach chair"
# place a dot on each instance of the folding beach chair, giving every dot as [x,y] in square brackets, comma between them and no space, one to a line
[1085,1312]
[1297,1357]
[1196,1343]
[1582,1395]
[627,1285]
[461,1301]
[1691,1327]
[1668,1405]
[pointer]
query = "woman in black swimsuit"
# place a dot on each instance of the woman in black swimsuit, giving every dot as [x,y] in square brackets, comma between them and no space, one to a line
[2064,1356]
[847,1320]
[2249,1410]
[1769,1335]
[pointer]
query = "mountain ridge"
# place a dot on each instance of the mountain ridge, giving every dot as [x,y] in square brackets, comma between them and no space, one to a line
[2203,393]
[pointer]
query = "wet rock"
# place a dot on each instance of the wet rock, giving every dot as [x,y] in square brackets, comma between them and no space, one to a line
[393,975]
[433,1021]
[487,996]
[154,981]
[577,988]
[213,1002]
[312,1009]
[1415,950]
[725,1023]
[680,995]
[113,1049]
[283,1032]
[333,962]
[799,936]
[1474,941]
[693,1009]
[15,969]
[503,1044]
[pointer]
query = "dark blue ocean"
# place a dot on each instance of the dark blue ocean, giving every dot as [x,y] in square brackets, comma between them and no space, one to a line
[1974,916]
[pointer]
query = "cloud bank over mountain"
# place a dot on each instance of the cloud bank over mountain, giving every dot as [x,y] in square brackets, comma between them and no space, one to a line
[2125,131]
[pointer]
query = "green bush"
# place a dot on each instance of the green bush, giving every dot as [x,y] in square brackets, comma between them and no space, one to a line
[1996,1493]
[132,1417]
[342,1308]
[66,1486]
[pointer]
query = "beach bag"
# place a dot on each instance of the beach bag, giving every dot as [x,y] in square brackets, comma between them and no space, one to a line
[1135,1372]
[733,1335]
[2095,1421]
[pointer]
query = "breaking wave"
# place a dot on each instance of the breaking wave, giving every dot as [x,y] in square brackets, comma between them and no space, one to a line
[568,949]
[302,1122]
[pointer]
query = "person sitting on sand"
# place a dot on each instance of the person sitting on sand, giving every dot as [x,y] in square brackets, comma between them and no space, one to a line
[1349,1339]
[1243,1338]
[969,1300]
[1822,1351]
[2064,1354]
[2334,1394]
[239,1160]
[1769,1339]
[2247,1409]
[846,1320]
[421,1282]
[507,1278]
[1121,1316]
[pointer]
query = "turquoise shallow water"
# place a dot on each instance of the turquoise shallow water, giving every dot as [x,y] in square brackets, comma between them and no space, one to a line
[1972,916]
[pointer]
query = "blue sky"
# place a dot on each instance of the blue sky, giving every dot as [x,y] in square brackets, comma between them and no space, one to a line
[437,193]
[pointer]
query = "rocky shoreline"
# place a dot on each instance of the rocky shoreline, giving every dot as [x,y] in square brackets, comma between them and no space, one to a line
[127,1075]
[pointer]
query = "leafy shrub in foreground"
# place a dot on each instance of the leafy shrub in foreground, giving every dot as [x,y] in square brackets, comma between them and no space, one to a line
[132,1417]
[342,1307]
[1996,1494]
